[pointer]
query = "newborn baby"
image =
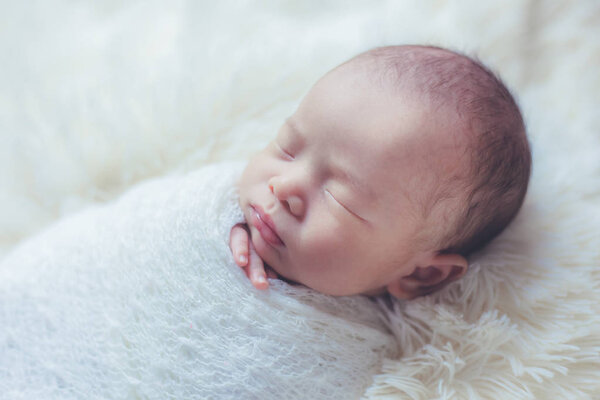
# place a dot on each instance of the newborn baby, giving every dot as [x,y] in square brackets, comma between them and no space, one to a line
[396,166]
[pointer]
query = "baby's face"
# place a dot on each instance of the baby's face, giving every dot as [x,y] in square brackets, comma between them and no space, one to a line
[333,201]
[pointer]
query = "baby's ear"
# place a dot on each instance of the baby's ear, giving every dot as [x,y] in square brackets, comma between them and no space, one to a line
[441,269]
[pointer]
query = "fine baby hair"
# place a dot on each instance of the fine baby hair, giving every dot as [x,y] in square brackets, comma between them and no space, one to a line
[495,186]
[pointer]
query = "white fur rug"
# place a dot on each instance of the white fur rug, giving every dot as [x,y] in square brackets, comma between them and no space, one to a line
[97,96]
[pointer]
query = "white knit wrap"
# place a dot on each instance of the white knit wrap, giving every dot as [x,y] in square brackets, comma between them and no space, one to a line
[141,298]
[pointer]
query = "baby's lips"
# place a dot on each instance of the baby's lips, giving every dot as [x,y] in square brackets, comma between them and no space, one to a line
[262,222]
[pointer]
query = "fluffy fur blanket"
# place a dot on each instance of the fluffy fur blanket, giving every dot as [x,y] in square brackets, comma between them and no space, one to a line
[97,96]
[142,299]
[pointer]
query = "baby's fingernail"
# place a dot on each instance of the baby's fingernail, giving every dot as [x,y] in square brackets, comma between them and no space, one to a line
[261,283]
[243,259]
[260,280]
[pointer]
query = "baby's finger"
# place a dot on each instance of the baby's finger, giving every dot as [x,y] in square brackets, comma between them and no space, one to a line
[256,270]
[238,243]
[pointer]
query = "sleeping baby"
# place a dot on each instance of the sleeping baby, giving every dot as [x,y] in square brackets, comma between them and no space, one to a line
[396,166]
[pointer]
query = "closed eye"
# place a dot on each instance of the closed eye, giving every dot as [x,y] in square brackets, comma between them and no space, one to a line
[286,154]
[343,206]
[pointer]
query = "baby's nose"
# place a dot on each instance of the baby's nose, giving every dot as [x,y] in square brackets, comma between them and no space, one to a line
[288,194]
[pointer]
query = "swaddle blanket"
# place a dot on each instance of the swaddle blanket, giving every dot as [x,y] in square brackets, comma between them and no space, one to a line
[141,299]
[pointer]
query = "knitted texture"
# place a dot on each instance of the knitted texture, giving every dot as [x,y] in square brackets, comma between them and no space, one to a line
[140,298]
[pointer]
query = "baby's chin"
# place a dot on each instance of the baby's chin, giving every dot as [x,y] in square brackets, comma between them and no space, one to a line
[287,280]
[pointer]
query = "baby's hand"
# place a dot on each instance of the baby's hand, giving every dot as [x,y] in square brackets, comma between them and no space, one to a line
[246,257]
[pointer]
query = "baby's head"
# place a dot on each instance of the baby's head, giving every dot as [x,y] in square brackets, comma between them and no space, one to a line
[395,167]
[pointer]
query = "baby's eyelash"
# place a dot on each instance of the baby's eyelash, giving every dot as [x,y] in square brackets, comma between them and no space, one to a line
[285,152]
[336,200]
[342,205]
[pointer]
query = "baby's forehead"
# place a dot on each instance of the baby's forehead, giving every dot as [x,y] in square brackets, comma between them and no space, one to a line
[413,132]
[394,131]
[418,156]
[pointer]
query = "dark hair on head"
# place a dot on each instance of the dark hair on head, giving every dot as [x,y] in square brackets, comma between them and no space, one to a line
[500,155]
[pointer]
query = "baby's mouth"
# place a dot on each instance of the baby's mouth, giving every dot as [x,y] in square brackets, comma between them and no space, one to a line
[265,226]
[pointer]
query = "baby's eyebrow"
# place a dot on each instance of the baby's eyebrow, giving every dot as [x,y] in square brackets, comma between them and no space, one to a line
[296,135]
[340,171]
[362,188]
[293,126]
[356,183]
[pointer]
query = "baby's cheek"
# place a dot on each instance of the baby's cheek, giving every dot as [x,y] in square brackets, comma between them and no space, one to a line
[326,242]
